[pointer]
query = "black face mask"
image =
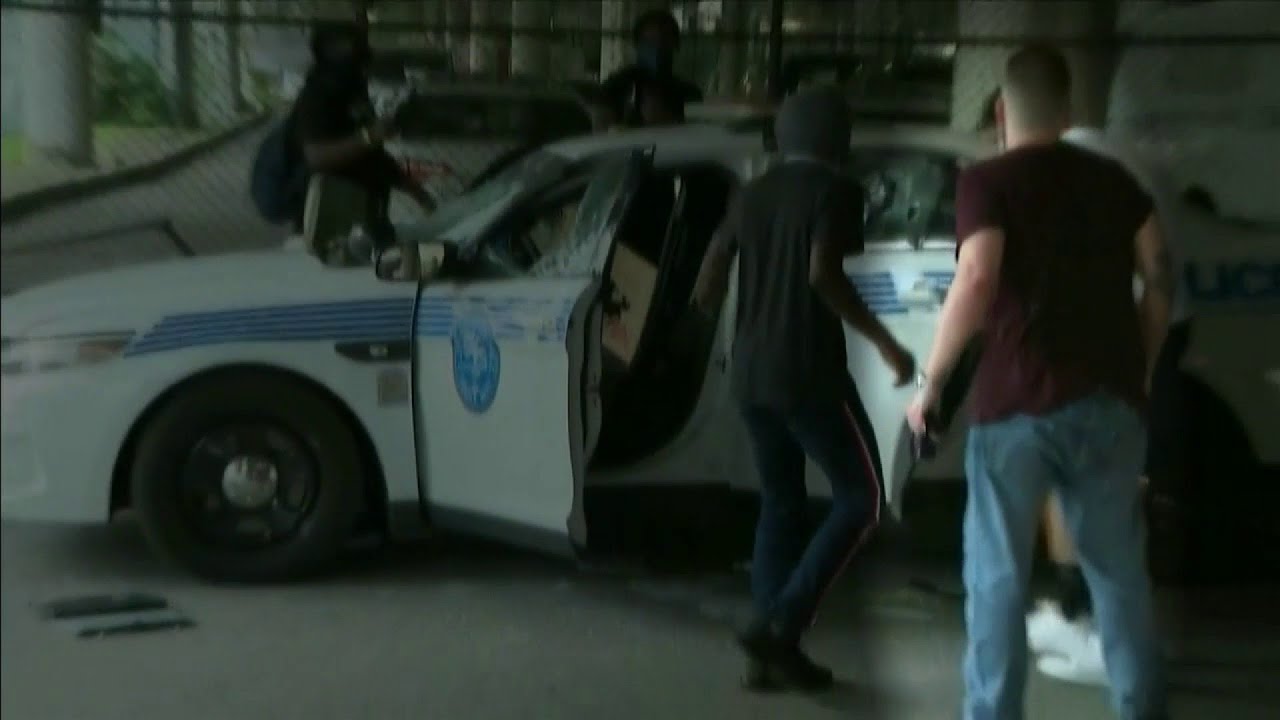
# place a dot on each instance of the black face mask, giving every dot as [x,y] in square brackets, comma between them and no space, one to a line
[656,58]
[346,62]
[346,72]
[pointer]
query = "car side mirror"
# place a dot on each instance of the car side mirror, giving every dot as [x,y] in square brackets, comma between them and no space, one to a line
[434,261]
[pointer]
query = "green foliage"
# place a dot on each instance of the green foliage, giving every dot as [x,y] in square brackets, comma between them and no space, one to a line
[127,88]
[264,90]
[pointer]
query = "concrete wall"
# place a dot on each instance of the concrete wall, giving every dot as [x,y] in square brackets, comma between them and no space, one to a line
[978,67]
[11,49]
[216,66]
[55,70]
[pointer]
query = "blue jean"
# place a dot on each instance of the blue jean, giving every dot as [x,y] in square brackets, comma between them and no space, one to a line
[1090,453]
[791,571]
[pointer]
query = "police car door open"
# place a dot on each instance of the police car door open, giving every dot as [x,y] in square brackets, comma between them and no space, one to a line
[507,377]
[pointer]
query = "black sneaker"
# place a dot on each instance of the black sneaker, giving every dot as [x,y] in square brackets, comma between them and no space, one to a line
[775,664]
[761,678]
[758,643]
[795,669]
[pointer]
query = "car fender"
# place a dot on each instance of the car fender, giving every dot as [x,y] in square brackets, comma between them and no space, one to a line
[385,417]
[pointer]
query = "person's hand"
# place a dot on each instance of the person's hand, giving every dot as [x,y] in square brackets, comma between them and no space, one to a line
[923,404]
[925,400]
[900,361]
[382,129]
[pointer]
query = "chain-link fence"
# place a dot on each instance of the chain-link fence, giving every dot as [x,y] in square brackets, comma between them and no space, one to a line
[103,91]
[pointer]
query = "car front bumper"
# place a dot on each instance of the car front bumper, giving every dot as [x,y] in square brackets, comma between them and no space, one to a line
[59,440]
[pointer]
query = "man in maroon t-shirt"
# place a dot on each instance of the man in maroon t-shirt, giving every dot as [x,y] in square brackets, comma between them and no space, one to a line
[1050,238]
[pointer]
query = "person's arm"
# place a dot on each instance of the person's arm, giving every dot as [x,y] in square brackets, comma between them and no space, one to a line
[968,301]
[615,93]
[324,155]
[405,182]
[1155,268]
[973,289]
[324,148]
[713,276]
[839,234]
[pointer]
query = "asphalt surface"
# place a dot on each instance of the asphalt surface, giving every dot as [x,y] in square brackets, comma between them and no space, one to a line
[453,630]
[457,631]
[206,203]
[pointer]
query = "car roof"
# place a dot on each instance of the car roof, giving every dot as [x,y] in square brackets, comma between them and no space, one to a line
[711,140]
[689,141]
[488,87]
[928,137]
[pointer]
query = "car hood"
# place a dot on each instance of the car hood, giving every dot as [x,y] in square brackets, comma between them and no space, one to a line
[129,297]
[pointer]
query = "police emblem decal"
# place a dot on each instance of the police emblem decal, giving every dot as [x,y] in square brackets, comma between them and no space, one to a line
[477,364]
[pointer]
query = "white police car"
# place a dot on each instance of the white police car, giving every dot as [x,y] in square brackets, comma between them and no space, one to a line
[546,386]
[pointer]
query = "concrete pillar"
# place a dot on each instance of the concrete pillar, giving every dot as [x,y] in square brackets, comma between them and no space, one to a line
[865,16]
[185,110]
[733,49]
[457,20]
[978,68]
[56,83]
[571,56]
[531,37]
[484,40]
[615,38]
[216,56]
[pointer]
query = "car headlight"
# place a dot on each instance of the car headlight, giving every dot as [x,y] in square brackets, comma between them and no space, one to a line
[50,354]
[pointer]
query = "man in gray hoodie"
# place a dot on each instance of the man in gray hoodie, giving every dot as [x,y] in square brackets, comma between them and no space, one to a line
[791,229]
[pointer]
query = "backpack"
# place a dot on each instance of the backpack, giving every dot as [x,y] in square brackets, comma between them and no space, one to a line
[278,181]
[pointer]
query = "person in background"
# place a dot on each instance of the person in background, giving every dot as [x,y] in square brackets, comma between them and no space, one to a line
[1060,630]
[791,229]
[1050,237]
[334,130]
[648,92]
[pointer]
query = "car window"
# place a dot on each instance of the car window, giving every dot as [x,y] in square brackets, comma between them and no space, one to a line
[539,239]
[911,193]
[596,213]
[525,176]
[479,117]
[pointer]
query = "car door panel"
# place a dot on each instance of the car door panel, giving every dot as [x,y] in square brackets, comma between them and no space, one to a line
[492,357]
[903,277]
[501,369]
[1232,280]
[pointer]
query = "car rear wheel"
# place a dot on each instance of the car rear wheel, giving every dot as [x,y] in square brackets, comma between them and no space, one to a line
[1207,525]
[248,476]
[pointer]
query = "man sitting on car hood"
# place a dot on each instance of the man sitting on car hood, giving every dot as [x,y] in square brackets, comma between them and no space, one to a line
[334,129]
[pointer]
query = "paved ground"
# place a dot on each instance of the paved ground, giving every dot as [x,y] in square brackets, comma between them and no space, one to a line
[117,148]
[207,202]
[459,632]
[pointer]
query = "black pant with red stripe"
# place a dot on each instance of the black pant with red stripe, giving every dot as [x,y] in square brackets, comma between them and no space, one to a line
[792,570]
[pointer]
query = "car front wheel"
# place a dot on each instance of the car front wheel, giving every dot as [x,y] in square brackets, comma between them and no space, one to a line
[248,476]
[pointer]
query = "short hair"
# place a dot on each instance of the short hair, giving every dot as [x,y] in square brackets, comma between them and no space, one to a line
[326,33]
[661,19]
[1037,83]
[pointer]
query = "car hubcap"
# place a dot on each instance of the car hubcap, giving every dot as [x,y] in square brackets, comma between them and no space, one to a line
[249,482]
[248,486]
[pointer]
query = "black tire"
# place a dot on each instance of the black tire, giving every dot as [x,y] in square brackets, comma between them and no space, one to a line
[1204,529]
[321,454]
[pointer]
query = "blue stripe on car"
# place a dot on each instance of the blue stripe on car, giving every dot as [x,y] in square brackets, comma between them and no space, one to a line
[368,320]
